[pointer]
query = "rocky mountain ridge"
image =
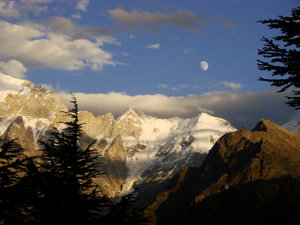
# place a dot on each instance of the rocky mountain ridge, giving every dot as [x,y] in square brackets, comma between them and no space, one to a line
[144,147]
[265,159]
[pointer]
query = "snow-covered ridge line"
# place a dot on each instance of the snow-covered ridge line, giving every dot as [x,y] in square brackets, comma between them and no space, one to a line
[9,84]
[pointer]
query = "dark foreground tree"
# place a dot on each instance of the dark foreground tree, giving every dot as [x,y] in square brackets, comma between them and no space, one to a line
[68,171]
[282,55]
[17,181]
[124,212]
[11,167]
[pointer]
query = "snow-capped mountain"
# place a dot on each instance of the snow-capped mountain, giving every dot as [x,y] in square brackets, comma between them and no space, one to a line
[140,146]
[293,124]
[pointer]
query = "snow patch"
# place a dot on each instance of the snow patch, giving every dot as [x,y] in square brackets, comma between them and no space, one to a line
[8,85]
[6,123]
[170,143]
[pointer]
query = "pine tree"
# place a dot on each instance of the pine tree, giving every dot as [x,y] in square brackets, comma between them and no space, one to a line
[13,208]
[68,173]
[282,55]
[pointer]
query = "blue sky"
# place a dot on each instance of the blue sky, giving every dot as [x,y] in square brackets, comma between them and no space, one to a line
[143,52]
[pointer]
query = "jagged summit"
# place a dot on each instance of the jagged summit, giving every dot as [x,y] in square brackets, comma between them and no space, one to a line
[130,113]
[266,125]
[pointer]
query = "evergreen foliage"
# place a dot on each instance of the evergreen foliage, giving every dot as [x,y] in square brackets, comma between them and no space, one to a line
[283,61]
[124,212]
[68,172]
[15,200]
[58,186]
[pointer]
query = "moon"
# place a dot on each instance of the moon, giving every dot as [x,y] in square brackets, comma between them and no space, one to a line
[204,65]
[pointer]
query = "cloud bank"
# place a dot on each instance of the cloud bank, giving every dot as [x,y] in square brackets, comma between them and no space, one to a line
[51,45]
[241,109]
[186,20]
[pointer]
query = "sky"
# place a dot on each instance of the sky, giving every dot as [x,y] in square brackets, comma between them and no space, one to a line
[147,54]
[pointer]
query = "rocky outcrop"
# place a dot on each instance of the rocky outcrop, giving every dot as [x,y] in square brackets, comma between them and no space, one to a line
[102,125]
[34,102]
[266,153]
[129,124]
[22,134]
[114,166]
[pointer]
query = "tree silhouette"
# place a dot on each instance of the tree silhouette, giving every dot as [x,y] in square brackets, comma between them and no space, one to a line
[282,55]
[13,168]
[68,173]
[124,212]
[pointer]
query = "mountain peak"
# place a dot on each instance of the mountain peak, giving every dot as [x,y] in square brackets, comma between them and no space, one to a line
[238,158]
[267,125]
[131,112]
[9,84]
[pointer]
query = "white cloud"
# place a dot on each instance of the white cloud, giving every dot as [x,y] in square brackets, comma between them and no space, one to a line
[153,46]
[35,46]
[177,88]
[231,85]
[188,50]
[76,16]
[180,87]
[197,87]
[241,109]
[163,86]
[126,54]
[8,9]
[82,4]
[13,68]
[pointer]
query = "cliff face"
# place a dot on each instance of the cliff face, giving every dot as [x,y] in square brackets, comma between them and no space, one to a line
[114,166]
[35,103]
[267,153]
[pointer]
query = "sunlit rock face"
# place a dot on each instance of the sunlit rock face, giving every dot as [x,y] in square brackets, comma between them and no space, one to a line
[240,159]
[135,147]
[114,166]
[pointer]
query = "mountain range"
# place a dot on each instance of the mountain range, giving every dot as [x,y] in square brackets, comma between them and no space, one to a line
[248,177]
[182,170]
[142,147]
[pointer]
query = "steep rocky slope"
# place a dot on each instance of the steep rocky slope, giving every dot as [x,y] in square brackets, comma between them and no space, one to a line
[268,157]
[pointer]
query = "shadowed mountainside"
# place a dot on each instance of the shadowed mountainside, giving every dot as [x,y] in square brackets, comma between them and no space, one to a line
[265,160]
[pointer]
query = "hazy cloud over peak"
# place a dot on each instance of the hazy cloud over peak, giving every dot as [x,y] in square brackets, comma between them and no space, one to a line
[241,109]
[13,68]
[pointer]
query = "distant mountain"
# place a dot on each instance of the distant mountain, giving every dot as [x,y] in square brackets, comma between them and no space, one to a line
[142,147]
[246,178]
[293,124]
